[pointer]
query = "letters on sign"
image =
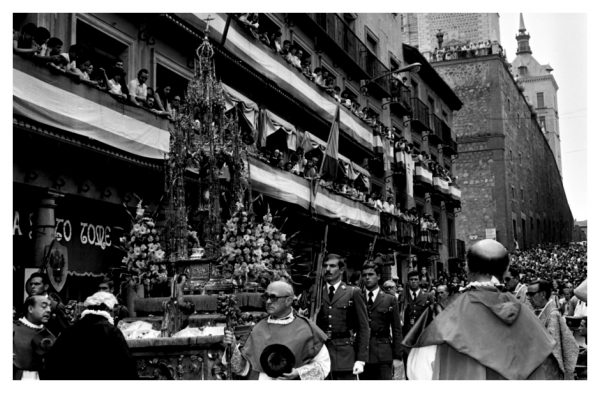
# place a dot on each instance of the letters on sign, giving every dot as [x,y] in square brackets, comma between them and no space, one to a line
[89,234]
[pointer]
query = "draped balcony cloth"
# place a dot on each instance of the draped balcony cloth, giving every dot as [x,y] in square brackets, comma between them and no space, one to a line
[274,123]
[290,188]
[455,193]
[55,107]
[423,174]
[249,107]
[289,79]
[441,185]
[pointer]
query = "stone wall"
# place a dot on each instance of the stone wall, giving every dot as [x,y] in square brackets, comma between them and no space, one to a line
[505,168]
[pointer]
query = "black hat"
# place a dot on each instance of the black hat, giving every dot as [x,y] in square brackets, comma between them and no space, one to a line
[277,359]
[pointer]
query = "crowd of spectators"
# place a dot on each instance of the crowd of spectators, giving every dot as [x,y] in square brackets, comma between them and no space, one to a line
[467,50]
[321,76]
[36,43]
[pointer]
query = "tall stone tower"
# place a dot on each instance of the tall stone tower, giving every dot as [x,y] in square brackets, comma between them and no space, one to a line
[457,28]
[540,90]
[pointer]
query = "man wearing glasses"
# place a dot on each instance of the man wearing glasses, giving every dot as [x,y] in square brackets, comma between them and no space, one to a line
[343,317]
[284,327]
[386,333]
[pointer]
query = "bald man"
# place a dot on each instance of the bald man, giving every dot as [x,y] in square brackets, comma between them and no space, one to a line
[484,333]
[284,327]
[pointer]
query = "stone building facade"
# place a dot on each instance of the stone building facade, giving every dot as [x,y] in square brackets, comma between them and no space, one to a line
[512,187]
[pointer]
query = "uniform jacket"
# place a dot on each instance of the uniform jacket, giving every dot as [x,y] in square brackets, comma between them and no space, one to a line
[345,315]
[29,348]
[386,332]
[414,309]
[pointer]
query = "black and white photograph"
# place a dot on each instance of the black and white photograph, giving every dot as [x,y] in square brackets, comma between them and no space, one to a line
[356,196]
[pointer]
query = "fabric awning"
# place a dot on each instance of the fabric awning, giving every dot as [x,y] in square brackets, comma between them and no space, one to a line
[59,108]
[315,141]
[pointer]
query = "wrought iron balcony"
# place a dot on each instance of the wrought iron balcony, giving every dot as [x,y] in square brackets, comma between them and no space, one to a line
[333,34]
[435,135]
[420,115]
[450,145]
[400,99]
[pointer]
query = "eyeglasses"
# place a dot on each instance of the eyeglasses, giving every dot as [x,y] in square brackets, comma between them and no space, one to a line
[272,297]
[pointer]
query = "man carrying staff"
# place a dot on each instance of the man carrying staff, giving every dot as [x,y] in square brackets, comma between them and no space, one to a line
[285,345]
[343,317]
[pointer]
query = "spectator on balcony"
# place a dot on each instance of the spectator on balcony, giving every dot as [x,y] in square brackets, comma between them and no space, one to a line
[318,76]
[275,40]
[337,94]
[346,100]
[310,170]
[138,89]
[306,70]
[286,49]
[263,36]
[113,82]
[175,106]
[84,71]
[24,42]
[162,98]
[297,59]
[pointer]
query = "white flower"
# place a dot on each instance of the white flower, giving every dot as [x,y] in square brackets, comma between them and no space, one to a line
[282,237]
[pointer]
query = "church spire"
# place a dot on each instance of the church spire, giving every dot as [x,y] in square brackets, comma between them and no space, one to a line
[522,38]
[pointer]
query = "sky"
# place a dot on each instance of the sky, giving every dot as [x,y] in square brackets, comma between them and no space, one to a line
[567,54]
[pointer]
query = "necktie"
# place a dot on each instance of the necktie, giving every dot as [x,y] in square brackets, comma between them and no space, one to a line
[414,295]
[370,301]
[331,291]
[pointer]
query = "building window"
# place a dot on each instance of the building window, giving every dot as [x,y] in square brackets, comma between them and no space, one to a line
[540,100]
[508,104]
[543,123]
[168,76]
[510,154]
[512,189]
[522,195]
[105,45]
[415,88]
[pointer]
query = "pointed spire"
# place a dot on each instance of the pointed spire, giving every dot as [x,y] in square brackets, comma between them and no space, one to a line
[522,38]
[521,23]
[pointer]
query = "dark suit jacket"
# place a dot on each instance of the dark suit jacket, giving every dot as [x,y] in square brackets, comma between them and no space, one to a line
[413,309]
[345,315]
[383,315]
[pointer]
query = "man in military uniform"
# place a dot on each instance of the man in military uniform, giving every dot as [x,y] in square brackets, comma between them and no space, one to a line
[416,302]
[343,317]
[384,318]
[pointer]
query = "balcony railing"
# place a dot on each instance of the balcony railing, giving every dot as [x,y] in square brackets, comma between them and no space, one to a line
[450,145]
[396,229]
[436,133]
[420,115]
[456,249]
[400,99]
[345,39]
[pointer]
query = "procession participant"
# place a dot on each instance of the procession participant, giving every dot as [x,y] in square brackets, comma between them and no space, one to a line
[31,339]
[120,311]
[93,348]
[37,285]
[566,350]
[416,302]
[443,298]
[384,318]
[343,317]
[514,284]
[484,333]
[285,345]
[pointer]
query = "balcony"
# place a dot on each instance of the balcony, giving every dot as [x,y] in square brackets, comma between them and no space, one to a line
[337,38]
[456,249]
[400,100]
[435,135]
[394,228]
[450,145]
[420,115]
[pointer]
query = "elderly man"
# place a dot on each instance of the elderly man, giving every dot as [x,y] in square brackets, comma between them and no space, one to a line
[385,350]
[282,332]
[31,339]
[484,333]
[566,349]
[443,298]
[93,348]
[37,285]
[343,317]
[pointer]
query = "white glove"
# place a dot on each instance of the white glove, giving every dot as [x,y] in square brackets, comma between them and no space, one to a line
[359,367]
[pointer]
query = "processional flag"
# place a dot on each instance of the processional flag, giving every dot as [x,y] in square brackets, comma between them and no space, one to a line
[329,165]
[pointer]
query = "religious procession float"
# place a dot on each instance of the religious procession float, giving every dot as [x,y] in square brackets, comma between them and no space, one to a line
[210,272]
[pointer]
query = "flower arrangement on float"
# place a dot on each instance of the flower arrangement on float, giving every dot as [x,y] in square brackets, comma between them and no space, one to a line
[145,255]
[253,251]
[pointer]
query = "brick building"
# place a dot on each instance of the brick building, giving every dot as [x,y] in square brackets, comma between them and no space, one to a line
[511,184]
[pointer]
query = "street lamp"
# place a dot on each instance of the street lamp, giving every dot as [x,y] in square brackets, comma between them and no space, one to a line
[414,67]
